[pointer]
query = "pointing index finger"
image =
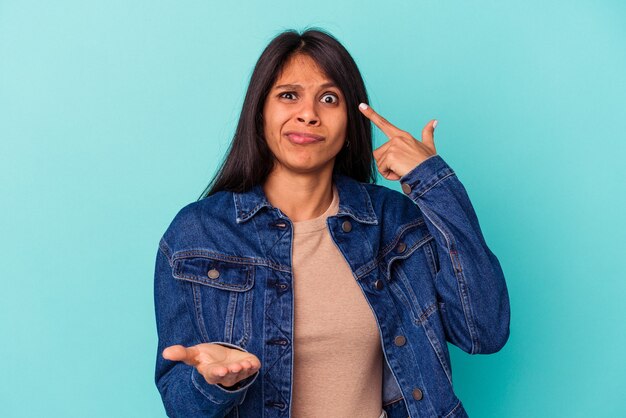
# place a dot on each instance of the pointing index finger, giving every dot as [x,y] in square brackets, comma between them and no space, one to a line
[383,124]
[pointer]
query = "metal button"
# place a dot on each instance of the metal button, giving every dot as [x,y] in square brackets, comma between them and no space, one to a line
[346,226]
[417,394]
[401,247]
[400,340]
[406,188]
[213,274]
[379,284]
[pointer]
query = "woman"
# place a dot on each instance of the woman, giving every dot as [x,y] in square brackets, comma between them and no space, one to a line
[296,286]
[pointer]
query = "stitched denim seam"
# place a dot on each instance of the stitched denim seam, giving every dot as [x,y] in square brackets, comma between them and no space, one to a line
[457,406]
[229,320]
[167,252]
[247,320]
[394,242]
[429,250]
[462,283]
[407,253]
[435,182]
[434,341]
[229,258]
[461,287]
[206,394]
[249,279]
[414,305]
[197,302]
[372,265]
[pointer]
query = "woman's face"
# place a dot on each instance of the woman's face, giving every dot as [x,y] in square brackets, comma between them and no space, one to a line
[305,117]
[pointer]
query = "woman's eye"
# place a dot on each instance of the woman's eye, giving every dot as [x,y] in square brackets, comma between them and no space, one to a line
[329,98]
[332,97]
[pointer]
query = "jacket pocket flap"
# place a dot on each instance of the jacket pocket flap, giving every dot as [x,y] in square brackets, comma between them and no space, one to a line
[407,240]
[216,273]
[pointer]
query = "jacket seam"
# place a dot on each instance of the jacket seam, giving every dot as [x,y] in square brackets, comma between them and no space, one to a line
[389,247]
[392,244]
[167,252]
[439,180]
[403,256]
[229,258]
[461,286]
[197,306]
[206,394]
[465,294]
[453,410]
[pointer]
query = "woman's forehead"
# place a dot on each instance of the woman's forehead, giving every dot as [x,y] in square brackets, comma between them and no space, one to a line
[301,71]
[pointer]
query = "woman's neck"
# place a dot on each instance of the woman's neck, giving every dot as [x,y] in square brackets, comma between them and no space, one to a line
[300,196]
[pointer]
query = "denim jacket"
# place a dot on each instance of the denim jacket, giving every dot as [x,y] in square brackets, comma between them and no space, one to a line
[223,275]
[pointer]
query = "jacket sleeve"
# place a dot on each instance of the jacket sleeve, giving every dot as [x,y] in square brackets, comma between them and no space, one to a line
[470,284]
[184,391]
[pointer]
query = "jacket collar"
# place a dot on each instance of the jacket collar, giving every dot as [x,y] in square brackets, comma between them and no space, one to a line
[354,201]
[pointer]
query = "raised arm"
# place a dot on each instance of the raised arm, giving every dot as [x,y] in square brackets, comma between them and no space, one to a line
[470,285]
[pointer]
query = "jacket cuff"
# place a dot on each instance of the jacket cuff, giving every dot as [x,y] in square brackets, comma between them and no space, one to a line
[218,393]
[424,176]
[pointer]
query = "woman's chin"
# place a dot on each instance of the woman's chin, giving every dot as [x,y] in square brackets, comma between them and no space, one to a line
[306,167]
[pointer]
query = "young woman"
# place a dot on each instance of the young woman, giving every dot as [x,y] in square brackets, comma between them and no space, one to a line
[296,286]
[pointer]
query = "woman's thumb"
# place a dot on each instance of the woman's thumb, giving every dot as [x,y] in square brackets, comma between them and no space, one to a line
[428,137]
[179,353]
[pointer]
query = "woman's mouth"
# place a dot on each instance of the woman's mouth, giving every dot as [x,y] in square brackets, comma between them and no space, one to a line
[303,138]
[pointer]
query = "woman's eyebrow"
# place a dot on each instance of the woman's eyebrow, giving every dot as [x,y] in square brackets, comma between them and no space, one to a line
[299,87]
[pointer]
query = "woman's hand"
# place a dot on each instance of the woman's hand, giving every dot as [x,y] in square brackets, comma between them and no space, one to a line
[402,152]
[217,363]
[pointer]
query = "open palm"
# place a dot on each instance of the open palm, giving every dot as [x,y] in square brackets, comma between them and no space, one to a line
[217,363]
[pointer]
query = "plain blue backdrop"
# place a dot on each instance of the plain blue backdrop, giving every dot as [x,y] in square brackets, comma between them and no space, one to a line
[115,114]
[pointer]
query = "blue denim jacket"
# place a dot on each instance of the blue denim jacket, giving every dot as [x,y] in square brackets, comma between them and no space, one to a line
[223,275]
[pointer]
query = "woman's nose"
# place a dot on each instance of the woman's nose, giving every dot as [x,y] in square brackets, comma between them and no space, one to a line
[308,114]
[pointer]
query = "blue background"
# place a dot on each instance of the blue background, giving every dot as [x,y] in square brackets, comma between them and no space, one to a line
[115,114]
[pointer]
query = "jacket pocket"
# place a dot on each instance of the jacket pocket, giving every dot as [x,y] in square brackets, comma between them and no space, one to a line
[221,293]
[217,273]
[404,267]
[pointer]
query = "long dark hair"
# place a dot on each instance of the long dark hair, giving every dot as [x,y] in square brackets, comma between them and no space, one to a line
[249,159]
